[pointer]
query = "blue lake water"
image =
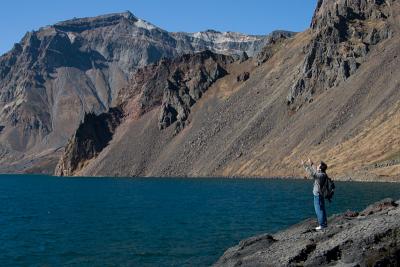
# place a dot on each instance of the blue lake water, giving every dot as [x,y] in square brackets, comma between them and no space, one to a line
[50,221]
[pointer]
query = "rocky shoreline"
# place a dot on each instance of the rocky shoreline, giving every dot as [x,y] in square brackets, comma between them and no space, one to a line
[367,238]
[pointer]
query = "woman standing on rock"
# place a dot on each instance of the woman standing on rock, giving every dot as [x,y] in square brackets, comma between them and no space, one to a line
[320,178]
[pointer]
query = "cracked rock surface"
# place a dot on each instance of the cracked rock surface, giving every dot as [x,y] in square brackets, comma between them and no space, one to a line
[368,238]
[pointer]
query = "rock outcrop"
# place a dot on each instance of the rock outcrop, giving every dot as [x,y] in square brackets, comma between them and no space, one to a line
[175,84]
[275,42]
[343,32]
[368,238]
[92,135]
[187,84]
[243,76]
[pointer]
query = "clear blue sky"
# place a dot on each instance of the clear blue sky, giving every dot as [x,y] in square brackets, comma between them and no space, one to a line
[250,16]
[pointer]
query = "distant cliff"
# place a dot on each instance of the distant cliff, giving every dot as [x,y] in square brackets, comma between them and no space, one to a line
[367,238]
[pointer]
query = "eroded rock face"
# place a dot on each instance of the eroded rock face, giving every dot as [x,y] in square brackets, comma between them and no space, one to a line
[343,32]
[369,239]
[187,84]
[92,135]
[228,43]
[175,85]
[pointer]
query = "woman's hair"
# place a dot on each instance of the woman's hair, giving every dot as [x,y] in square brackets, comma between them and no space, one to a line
[324,167]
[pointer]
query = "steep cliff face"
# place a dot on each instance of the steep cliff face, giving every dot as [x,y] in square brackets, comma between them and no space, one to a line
[171,86]
[56,75]
[92,135]
[243,126]
[226,42]
[343,32]
[175,84]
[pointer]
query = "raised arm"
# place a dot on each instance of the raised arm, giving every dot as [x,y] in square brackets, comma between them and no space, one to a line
[309,167]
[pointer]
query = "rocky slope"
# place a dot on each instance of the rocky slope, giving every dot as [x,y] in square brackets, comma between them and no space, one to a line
[56,75]
[171,86]
[331,93]
[367,238]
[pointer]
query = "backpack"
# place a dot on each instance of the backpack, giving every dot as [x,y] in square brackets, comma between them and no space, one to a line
[328,189]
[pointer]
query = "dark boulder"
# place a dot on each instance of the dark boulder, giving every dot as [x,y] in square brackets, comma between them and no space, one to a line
[243,77]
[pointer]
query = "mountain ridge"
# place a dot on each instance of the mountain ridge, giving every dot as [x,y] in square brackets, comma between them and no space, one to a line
[56,75]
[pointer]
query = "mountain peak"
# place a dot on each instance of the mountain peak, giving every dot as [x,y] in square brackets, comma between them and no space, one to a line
[82,24]
[212,31]
[128,15]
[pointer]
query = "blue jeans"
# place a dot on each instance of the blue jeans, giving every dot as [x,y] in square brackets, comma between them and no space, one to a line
[319,205]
